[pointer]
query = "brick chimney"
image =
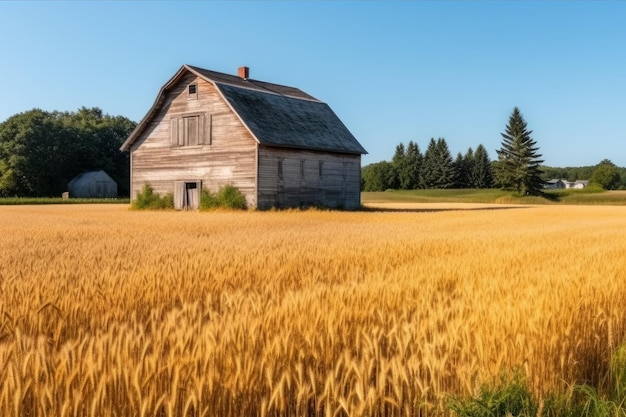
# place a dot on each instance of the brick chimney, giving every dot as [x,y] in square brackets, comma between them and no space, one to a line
[244,72]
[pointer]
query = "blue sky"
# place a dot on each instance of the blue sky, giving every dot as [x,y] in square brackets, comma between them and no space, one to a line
[392,71]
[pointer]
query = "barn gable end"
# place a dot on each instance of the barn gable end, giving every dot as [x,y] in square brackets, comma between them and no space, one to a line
[223,152]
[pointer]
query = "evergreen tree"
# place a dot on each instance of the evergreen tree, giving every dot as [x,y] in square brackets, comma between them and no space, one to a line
[438,169]
[462,177]
[464,169]
[518,160]
[414,160]
[482,176]
[429,166]
[445,172]
[469,162]
[400,167]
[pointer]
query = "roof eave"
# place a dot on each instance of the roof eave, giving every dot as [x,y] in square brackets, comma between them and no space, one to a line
[315,149]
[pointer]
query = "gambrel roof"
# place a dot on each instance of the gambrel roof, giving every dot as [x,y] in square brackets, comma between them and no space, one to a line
[275,115]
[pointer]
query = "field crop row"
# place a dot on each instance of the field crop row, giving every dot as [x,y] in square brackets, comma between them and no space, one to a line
[111,312]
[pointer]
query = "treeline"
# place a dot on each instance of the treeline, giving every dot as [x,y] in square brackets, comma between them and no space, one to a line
[606,173]
[409,169]
[40,152]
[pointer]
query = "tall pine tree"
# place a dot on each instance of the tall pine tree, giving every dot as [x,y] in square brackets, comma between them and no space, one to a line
[518,160]
[438,169]
[462,171]
[482,176]
[414,160]
[445,166]
[429,165]
[400,168]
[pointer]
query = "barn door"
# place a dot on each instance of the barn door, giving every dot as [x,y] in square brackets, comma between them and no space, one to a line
[187,195]
[193,195]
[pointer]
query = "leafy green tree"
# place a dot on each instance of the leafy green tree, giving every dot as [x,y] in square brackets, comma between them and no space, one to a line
[379,176]
[33,150]
[40,152]
[99,137]
[518,161]
[548,173]
[579,173]
[568,173]
[606,175]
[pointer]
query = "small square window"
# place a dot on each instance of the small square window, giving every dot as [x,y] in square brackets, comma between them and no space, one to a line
[192,91]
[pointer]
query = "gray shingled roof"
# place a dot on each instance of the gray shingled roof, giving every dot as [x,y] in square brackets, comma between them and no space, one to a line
[234,80]
[285,121]
[276,115]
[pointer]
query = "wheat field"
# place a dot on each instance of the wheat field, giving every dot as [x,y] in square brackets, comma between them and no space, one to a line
[106,311]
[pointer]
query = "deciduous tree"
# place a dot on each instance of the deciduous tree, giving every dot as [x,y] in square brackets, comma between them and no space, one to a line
[378,176]
[606,175]
[40,152]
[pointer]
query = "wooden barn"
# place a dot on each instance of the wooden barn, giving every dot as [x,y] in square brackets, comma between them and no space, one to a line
[280,146]
[93,184]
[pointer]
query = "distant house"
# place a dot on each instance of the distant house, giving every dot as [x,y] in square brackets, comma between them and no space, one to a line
[560,183]
[93,184]
[554,184]
[578,184]
[280,146]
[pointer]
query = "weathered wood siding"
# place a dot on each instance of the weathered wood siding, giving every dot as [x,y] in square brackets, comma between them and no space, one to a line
[228,155]
[294,178]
